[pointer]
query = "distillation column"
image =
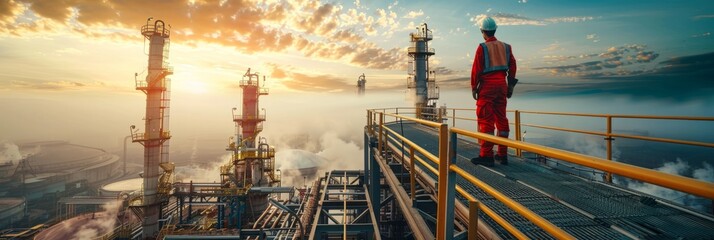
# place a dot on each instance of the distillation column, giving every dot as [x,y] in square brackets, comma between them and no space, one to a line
[361,84]
[251,121]
[253,161]
[156,136]
[421,79]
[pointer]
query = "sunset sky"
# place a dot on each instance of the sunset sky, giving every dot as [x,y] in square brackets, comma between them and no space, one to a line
[82,54]
[89,45]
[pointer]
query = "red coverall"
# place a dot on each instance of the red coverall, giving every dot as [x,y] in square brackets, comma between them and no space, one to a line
[491,103]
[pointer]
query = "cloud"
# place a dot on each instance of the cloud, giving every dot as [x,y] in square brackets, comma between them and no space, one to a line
[318,19]
[679,167]
[373,57]
[693,64]
[703,35]
[316,83]
[443,71]
[69,50]
[295,80]
[388,21]
[613,57]
[312,28]
[9,152]
[9,10]
[53,85]
[414,14]
[593,37]
[661,82]
[552,47]
[698,17]
[568,19]
[506,19]
[705,174]
[346,36]
[510,19]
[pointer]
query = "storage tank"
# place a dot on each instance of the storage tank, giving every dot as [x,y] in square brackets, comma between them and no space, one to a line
[12,210]
[86,226]
[123,186]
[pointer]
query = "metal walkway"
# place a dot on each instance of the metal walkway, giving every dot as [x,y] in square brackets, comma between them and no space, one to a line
[585,209]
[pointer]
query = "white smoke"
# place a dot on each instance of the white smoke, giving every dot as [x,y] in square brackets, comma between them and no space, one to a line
[207,172]
[329,126]
[679,167]
[100,224]
[330,153]
[9,153]
[343,153]
[589,145]
[194,151]
[298,167]
[705,174]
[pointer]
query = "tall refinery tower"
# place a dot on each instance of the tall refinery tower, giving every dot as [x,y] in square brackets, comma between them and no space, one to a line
[421,79]
[155,139]
[361,84]
[253,159]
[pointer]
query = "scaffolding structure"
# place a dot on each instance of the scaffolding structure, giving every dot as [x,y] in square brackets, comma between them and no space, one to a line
[421,79]
[345,210]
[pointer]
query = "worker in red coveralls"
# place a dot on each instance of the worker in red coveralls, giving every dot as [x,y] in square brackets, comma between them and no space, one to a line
[494,62]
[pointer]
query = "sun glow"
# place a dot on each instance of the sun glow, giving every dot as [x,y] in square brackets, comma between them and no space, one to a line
[190,80]
[192,86]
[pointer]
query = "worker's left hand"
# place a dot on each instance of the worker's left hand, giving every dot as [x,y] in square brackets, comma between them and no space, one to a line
[474,93]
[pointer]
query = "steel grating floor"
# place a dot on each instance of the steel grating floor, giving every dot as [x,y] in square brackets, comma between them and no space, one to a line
[600,208]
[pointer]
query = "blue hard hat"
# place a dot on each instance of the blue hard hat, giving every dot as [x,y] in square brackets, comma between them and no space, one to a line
[488,24]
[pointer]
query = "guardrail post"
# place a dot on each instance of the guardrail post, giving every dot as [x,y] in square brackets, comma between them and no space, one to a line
[453,117]
[517,113]
[374,182]
[473,220]
[412,174]
[366,159]
[608,138]
[451,186]
[443,185]
[440,116]
[381,132]
[369,119]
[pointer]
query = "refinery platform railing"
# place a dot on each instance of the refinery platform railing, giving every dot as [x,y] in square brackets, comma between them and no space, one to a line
[446,172]
[455,116]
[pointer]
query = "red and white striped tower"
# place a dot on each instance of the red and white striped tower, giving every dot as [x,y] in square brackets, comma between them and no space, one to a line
[156,136]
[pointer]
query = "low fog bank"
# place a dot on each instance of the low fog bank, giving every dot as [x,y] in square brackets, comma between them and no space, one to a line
[324,126]
[325,129]
[677,167]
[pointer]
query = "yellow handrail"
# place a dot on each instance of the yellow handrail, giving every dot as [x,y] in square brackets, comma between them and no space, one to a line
[608,134]
[421,121]
[623,116]
[675,182]
[665,140]
[517,207]
[536,219]
[497,218]
[416,147]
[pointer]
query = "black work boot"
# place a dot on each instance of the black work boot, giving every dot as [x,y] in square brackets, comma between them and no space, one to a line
[486,161]
[502,159]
